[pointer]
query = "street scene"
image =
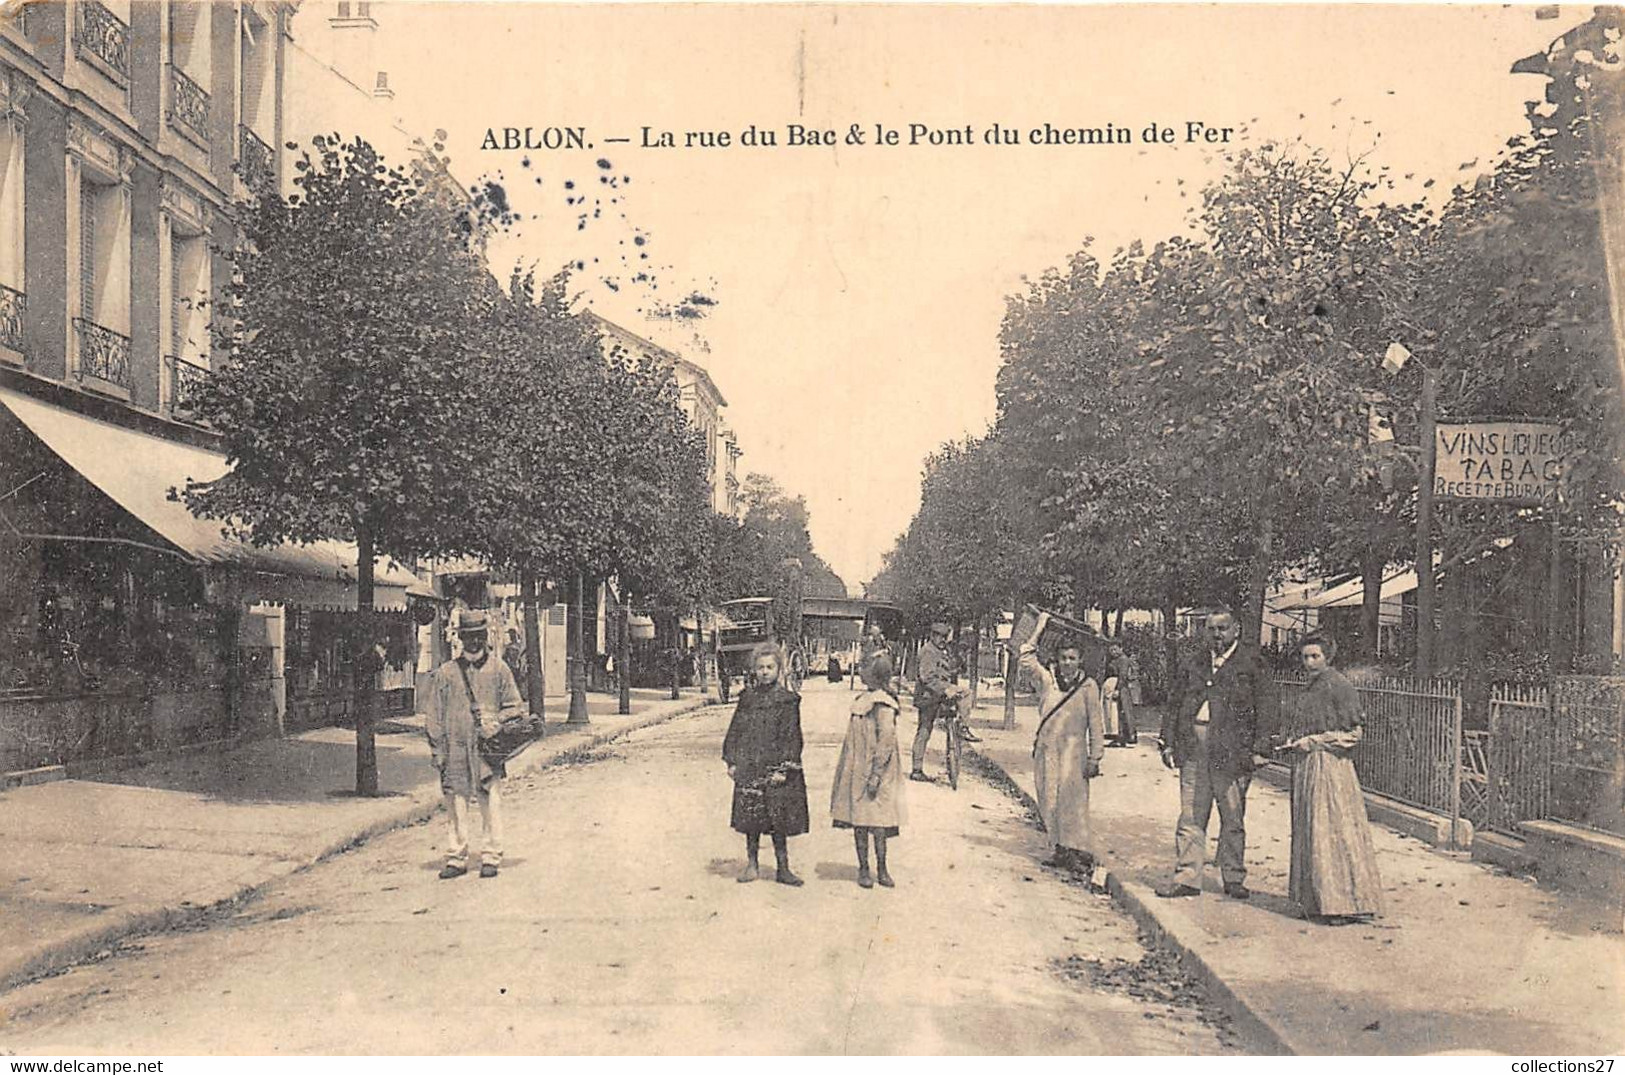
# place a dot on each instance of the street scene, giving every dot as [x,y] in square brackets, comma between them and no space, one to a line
[811,530]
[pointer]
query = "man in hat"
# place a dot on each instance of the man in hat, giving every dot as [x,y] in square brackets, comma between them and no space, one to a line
[1216,732]
[933,677]
[469,697]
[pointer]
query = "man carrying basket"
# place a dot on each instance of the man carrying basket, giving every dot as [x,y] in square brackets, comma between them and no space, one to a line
[471,698]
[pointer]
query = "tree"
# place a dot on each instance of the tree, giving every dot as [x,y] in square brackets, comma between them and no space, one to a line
[750,553]
[344,408]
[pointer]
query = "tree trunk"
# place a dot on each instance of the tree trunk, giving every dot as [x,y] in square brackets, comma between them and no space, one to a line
[975,664]
[1170,647]
[1011,671]
[535,681]
[1258,580]
[362,663]
[1371,568]
[700,655]
[623,654]
[676,655]
[1103,622]
[1117,627]
[575,658]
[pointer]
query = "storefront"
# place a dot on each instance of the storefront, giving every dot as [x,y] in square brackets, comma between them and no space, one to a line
[128,626]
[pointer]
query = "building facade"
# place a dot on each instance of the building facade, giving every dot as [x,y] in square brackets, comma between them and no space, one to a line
[128,132]
[702,403]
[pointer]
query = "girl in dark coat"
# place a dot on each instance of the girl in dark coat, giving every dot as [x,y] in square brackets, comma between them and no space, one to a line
[763,753]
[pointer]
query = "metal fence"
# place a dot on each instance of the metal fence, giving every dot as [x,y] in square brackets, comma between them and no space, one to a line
[1542,755]
[1413,739]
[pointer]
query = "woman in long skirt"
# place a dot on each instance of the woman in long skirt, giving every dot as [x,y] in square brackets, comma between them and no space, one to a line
[1334,865]
[867,795]
[763,753]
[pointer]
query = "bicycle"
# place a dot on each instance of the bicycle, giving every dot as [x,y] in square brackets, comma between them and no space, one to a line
[954,711]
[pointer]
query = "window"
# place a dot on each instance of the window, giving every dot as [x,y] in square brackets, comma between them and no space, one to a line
[12,297]
[344,10]
[188,298]
[190,30]
[259,75]
[104,254]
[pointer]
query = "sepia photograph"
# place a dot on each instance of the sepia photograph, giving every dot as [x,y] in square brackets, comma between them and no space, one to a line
[789,530]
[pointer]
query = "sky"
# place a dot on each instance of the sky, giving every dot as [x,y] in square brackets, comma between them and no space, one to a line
[859,289]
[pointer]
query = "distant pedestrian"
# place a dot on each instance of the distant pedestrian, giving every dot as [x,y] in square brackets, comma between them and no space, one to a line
[1067,750]
[1334,863]
[469,697]
[513,655]
[1126,670]
[1216,731]
[763,753]
[867,795]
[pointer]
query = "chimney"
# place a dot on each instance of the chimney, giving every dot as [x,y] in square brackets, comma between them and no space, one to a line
[381,89]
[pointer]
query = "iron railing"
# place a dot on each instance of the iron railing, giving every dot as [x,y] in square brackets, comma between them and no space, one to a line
[188,104]
[1413,746]
[1588,751]
[185,379]
[13,305]
[103,353]
[1518,757]
[104,35]
[258,162]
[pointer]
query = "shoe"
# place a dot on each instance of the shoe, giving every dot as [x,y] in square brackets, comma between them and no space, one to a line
[785,877]
[864,880]
[919,774]
[1236,890]
[970,737]
[1172,892]
[488,871]
[749,874]
[448,871]
[883,879]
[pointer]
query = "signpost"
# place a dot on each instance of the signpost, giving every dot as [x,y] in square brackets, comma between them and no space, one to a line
[1512,462]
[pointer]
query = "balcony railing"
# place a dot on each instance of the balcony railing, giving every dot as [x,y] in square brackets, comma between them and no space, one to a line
[258,163]
[103,353]
[103,35]
[188,104]
[185,379]
[13,304]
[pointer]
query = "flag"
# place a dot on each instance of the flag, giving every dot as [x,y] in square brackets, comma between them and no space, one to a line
[1396,357]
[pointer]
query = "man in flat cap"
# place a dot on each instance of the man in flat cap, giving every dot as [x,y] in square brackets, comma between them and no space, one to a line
[933,678]
[469,697]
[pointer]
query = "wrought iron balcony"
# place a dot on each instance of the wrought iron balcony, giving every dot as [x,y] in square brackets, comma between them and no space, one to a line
[103,353]
[185,379]
[258,163]
[188,104]
[13,304]
[102,34]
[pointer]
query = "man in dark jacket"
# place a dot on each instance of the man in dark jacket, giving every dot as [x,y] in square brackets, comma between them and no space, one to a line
[1216,732]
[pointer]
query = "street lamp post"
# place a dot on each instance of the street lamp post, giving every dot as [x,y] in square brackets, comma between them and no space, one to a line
[1424,528]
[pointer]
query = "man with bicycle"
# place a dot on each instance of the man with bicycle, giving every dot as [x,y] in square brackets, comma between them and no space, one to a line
[933,685]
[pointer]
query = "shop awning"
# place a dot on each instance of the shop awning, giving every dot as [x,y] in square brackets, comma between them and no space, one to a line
[137,470]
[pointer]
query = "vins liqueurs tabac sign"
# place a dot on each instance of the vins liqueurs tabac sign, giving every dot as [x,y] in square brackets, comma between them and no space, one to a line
[1510,462]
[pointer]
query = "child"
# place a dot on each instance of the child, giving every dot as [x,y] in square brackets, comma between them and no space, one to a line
[763,754]
[868,793]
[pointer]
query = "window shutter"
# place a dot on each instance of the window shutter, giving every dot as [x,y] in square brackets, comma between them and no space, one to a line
[177,305]
[87,250]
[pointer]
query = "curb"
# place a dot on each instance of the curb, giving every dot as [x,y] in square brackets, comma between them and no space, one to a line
[88,939]
[1250,1023]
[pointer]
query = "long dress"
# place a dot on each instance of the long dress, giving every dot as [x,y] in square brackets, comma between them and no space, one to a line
[1334,863]
[763,745]
[1071,732]
[869,752]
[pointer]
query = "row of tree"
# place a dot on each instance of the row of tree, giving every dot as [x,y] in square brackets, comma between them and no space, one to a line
[1182,423]
[384,389]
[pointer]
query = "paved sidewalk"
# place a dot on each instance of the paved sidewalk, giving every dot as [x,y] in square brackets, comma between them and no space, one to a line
[1466,959]
[97,859]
